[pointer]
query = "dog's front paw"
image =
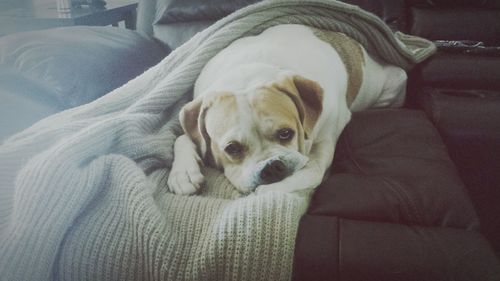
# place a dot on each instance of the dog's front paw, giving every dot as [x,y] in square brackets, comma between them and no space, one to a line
[185,179]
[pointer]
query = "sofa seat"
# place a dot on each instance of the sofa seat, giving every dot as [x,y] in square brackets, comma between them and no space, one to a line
[393,208]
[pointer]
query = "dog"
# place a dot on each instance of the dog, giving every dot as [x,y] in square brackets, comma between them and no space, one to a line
[268,109]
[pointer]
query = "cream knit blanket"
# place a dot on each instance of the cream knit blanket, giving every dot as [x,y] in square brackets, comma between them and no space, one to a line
[83,193]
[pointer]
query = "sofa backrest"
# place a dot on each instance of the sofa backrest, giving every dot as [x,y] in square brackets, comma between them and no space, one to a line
[175,21]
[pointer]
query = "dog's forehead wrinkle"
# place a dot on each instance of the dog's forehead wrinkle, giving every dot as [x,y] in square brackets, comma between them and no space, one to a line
[238,124]
[270,101]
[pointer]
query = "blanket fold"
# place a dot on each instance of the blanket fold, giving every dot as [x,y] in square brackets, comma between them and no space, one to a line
[83,193]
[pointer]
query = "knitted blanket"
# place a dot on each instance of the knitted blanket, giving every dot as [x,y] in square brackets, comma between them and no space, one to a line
[83,193]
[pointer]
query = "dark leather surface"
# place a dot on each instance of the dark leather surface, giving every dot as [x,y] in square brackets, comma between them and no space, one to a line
[175,11]
[391,12]
[461,94]
[23,101]
[46,71]
[468,122]
[175,21]
[459,71]
[457,24]
[455,112]
[79,63]
[432,19]
[455,3]
[353,250]
[393,208]
[196,10]
[316,249]
[391,166]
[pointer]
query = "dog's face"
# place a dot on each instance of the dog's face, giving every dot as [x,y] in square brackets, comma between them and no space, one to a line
[257,136]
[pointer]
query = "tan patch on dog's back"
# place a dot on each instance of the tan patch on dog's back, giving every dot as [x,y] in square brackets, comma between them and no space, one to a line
[352,56]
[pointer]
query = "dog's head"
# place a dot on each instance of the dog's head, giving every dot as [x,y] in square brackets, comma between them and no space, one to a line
[257,136]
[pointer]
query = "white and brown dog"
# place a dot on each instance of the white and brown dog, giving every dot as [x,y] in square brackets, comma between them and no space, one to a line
[268,109]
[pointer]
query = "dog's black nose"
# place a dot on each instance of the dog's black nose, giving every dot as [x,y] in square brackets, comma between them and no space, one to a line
[274,171]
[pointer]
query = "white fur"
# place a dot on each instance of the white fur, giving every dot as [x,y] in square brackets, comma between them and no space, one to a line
[282,50]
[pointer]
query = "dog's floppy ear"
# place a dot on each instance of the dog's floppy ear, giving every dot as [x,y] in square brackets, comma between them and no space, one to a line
[308,98]
[192,119]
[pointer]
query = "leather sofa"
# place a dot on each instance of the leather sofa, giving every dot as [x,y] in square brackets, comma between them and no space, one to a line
[395,206]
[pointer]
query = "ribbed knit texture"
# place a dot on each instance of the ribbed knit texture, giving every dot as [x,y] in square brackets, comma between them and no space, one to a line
[83,193]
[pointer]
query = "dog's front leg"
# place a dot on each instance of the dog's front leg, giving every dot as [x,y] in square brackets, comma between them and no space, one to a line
[311,175]
[185,176]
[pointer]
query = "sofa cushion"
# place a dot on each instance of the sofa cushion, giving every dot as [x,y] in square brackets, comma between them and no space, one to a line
[457,24]
[199,10]
[468,122]
[175,11]
[459,71]
[79,64]
[333,248]
[391,12]
[463,114]
[455,3]
[23,102]
[175,21]
[391,166]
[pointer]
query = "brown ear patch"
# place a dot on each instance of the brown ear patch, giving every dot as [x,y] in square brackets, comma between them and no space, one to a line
[192,119]
[352,56]
[308,98]
[210,113]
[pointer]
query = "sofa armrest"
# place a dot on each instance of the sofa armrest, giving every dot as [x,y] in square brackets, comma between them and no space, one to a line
[43,72]
[79,64]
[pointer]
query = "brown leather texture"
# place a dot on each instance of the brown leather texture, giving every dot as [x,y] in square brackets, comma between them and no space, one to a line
[454,70]
[456,24]
[391,166]
[333,248]
[393,208]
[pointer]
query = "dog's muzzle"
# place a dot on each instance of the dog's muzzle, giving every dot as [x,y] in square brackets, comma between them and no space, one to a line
[278,167]
[273,172]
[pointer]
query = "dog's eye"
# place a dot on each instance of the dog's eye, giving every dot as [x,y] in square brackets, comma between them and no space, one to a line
[285,134]
[233,148]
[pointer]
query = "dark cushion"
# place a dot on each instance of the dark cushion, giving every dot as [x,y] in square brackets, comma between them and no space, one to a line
[391,166]
[468,122]
[333,248]
[464,114]
[175,11]
[23,102]
[457,24]
[459,71]
[393,208]
[198,10]
[455,3]
[79,64]
[391,12]
[178,20]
